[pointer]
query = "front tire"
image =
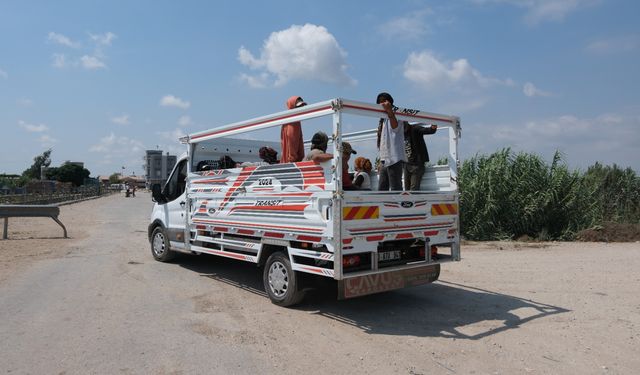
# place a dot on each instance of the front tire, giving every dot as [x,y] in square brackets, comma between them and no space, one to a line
[280,281]
[160,246]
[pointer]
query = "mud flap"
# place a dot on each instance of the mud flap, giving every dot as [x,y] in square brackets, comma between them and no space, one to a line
[381,282]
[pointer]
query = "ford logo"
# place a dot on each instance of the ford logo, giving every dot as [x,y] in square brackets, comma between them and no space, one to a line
[406,204]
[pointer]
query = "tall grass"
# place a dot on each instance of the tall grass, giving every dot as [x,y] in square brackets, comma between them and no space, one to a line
[506,195]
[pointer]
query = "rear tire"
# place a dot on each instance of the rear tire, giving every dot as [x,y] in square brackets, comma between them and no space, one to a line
[280,281]
[160,246]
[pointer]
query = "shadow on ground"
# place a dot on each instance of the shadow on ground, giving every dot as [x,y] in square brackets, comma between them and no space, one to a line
[443,309]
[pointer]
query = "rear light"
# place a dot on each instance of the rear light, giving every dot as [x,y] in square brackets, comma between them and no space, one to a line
[350,261]
[434,251]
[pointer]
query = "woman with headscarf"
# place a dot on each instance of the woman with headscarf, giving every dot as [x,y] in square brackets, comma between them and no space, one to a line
[291,141]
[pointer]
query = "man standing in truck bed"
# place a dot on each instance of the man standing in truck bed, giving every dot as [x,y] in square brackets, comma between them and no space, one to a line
[391,145]
[417,154]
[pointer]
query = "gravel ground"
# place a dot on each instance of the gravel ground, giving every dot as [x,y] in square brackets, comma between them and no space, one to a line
[99,303]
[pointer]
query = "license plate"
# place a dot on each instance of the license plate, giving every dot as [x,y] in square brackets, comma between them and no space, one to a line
[389,255]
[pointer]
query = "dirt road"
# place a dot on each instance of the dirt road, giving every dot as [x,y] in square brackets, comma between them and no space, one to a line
[99,303]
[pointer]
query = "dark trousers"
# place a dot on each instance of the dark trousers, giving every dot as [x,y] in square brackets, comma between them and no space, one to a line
[413,175]
[391,177]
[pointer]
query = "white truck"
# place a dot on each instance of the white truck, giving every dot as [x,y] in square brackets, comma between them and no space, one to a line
[295,220]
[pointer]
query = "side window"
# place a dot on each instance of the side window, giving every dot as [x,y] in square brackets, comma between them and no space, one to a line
[177,182]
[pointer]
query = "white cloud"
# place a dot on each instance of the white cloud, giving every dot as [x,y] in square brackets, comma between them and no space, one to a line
[3,74]
[92,62]
[121,120]
[409,27]
[172,135]
[31,128]
[59,60]
[62,40]
[306,52]
[259,81]
[618,44]
[464,105]
[530,90]
[425,69]
[114,145]
[544,10]
[609,138]
[184,121]
[46,140]
[173,101]
[87,59]
[103,39]
[25,102]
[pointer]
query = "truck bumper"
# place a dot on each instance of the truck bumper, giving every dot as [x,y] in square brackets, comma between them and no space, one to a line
[382,282]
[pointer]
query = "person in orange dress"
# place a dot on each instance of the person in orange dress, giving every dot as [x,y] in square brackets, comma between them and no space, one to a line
[291,142]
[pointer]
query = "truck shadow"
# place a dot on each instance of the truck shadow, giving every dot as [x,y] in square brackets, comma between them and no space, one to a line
[442,309]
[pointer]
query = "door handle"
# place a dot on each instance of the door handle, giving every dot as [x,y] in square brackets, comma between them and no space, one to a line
[182,204]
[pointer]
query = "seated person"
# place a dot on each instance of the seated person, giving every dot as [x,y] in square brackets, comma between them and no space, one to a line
[319,154]
[318,151]
[347,150]
[269,155]
[362,179]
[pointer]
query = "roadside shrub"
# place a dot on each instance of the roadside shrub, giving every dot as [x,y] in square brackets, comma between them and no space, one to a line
[506,196]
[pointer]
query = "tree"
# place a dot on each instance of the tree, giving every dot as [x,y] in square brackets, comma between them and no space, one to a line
[114,178]
[39,161]
[69,173]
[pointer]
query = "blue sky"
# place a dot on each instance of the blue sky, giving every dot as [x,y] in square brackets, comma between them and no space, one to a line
[102,81]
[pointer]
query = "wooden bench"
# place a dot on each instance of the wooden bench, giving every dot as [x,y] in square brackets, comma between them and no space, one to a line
[7,211]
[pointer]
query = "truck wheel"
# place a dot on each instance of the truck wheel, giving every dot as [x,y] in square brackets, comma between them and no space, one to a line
[280,281]
[160,246]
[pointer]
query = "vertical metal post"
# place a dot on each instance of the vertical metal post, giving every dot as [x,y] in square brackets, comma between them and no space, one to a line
[338,194]
[6,228]
[187,215]
[453,155]
[454,163]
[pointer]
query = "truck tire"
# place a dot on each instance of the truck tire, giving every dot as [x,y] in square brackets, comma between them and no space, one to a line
[280,281]
[160,246]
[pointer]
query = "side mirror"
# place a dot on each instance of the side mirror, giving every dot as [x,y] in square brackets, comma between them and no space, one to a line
[156,194]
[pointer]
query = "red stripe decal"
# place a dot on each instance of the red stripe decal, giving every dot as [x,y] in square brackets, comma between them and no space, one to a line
[403,114]
[309,238]
[352,213]
[245,231]
[431,233]
[375,238]
[407,219]
[220,229]
[370,212]
[259,123]
[404,227]
[230,255]
[291,207]
[235,223]
[347,241]
[274,234]
[404,235]
[311,269]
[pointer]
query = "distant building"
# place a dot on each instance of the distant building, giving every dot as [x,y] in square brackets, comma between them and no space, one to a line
[157,167]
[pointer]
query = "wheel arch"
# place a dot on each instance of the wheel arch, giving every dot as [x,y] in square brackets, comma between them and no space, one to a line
[267,250]
[154,224]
